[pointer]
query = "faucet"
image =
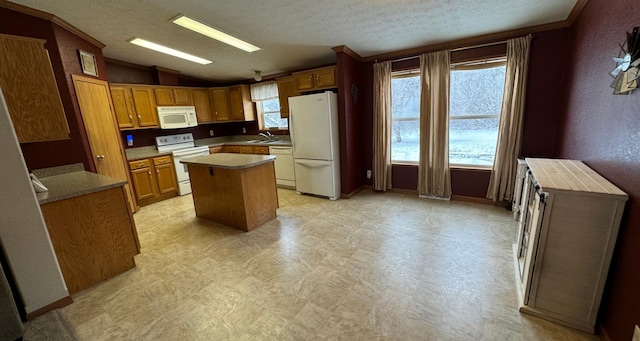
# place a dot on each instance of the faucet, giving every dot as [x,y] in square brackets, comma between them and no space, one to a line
[268,136]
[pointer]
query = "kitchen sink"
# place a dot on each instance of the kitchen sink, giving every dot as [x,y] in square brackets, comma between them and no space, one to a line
[259,141]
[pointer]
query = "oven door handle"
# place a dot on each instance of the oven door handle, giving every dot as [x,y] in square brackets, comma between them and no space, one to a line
[187,153]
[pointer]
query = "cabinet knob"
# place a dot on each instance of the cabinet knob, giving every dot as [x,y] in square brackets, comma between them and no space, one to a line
[100,157]
[149,172]
[130,118]
[139,117]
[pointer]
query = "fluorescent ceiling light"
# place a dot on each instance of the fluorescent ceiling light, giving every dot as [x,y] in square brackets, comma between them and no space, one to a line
[210,32]
[169,51]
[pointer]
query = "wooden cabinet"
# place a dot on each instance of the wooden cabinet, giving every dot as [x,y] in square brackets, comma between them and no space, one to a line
[30,90]
[202,102]
[168,96]
[316,79]
[263,150]
[566,235]
[216,149]
[135,106]
[153,179]
[240,103]
[220,104]
[93,235]
[231,149]
[286,89]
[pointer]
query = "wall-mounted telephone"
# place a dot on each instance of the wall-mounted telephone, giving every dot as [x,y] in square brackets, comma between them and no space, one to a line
[37,185]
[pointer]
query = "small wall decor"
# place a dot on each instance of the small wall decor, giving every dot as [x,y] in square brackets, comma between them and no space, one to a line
[88,63]
[628,70]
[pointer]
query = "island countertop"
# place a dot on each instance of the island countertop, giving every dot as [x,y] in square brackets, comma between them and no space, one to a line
[229,161]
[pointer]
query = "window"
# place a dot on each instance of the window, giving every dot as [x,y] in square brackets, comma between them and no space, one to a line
[269,114]
[475,100]
[405,117]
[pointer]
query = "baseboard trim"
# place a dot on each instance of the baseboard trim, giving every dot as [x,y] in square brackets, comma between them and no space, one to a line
[479,200]
[53,306]
[350,195]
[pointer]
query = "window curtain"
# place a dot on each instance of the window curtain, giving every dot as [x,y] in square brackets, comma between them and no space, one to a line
[434,179]
[503,172]
[382,126]
[264,91]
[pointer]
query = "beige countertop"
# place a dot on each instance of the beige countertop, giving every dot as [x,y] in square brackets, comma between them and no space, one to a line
[74,184]
[230,161]
[243,140]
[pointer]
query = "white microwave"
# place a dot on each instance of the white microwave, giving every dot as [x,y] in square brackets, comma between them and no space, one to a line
[177,117]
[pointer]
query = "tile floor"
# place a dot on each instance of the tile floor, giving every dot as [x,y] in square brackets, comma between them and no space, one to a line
[374,267]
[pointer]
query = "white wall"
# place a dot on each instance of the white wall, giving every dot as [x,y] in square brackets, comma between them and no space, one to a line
[23,233]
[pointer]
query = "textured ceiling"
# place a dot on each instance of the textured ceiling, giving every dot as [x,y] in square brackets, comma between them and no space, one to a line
[293,34]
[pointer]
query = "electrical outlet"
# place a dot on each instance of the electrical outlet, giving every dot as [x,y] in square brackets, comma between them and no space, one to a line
[244,130]
[636,334]
[368,173]
[211,132]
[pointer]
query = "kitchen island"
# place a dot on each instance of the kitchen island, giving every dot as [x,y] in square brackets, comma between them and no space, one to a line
[238,190]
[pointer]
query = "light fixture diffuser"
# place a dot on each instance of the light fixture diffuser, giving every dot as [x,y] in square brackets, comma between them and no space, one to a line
[211,32]
[169,51]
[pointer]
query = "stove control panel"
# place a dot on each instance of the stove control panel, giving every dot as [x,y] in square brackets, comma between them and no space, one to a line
[174,139]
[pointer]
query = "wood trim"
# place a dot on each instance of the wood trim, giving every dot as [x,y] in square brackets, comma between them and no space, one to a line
[164,69]
[63,302]
[602,331]
[348,51]
[28,39]
[481,39]
[52,18]
[351,194]
[404,191]
[480,200]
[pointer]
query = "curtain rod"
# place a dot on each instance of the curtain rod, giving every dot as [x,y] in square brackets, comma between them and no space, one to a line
[454,50]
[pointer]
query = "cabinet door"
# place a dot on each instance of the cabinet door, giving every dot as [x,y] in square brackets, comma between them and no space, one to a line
[182,96]
[216,149]
[121,97]
[202,102]
[143,183]
[145,106]
[166,178]
[231,149]
[261,150]
[325,78]
[240,103]
[30,90]
[246,150]
[303,81]
[164,96]
[286,89]
[220,105]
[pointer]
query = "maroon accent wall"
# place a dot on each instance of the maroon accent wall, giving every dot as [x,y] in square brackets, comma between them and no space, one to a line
[603,130]
[63,51]
[118,73]
[352,167]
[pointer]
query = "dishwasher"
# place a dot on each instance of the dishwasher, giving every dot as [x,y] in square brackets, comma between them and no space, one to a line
[285,174]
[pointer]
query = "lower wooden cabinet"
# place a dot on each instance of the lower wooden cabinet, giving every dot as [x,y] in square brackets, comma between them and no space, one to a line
[154,179]
[216,149]
[263,150]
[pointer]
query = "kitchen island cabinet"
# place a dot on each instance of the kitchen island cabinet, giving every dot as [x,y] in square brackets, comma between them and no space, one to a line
[238,190]
[91,228]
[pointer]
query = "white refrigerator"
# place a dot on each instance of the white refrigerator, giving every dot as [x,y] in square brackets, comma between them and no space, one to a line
[313,122]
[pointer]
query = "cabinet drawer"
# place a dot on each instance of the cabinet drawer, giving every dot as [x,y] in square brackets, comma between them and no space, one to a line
[261,150]
[246,150]
[231,149]
[139,164]
[161,160]
[217,149]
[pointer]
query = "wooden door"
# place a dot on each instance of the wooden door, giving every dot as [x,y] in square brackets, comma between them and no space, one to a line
[182,96]
[325,78]
[220,100]
[166,178]
[286,89]
[143,182]
[94,99]
[164,96]
[122,105]
[202,102]
[145,106]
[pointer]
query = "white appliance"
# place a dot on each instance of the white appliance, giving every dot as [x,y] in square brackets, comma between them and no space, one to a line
[313,121]
[177,117]
[285,174]
[23,233]
[181,146]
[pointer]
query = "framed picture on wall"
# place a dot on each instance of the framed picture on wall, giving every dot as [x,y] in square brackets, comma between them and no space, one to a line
[88,62]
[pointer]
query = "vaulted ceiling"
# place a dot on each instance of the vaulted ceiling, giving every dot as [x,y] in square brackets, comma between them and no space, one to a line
[292,34]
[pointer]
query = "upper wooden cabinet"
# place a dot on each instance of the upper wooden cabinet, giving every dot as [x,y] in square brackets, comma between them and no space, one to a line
[316,79]
[286,89]
[168,96]
[30,90]
[240,103]
[134,106]
[202,102]
[220,104]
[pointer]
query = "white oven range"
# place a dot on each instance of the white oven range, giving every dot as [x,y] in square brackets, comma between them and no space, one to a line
[182,146]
